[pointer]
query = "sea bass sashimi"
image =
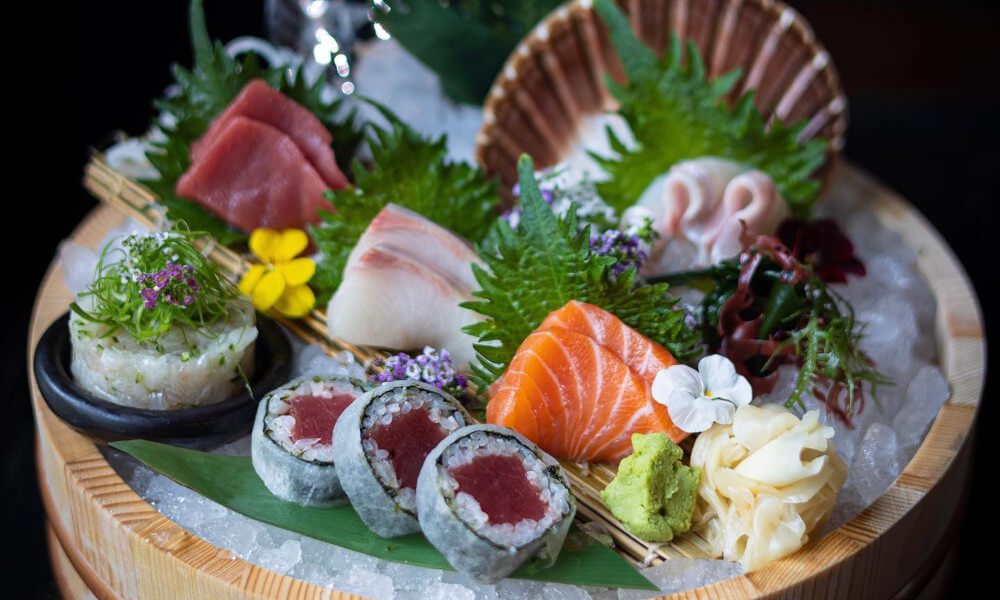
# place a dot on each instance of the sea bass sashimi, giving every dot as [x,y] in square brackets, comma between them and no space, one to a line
[424,241]
[255,176]
[402,287]
[388,299]
[569,389]
[261,102]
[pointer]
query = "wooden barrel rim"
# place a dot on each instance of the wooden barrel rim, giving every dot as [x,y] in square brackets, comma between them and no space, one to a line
[115,531]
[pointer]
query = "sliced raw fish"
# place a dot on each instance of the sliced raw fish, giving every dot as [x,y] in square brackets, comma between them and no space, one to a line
[640,353]
[253,176]
[579,386]
[389,298]
[703,204]
[423,240]
[263,103]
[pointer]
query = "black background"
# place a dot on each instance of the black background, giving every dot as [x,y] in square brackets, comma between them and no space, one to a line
[921,79]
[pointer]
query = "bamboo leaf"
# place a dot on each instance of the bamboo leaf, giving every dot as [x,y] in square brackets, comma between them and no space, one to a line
[232,482]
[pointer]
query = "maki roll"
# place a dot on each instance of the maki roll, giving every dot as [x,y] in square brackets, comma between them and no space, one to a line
[381,442]
[160,328]
[292,438]
[488,499]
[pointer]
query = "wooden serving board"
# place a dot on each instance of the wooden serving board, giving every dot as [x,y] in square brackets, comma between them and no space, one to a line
[120,547]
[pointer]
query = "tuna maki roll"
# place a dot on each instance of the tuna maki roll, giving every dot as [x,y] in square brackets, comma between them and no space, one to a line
[160,328]
[292,438]
[488,499]
[381,442]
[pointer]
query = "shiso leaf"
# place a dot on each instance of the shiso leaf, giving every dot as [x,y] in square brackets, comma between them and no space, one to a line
[232,482]
[205,91]
[413,172]
[676,113]
[543,265]
[465,43]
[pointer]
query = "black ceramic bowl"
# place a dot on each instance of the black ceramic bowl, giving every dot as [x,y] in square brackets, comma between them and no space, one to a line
[201,426]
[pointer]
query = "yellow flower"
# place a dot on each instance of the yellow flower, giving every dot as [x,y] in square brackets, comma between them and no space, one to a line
[280,282]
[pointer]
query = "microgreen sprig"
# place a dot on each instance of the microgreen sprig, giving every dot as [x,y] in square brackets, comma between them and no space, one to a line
[154,282]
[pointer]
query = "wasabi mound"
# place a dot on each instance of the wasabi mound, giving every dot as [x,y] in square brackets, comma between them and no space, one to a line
[653,494]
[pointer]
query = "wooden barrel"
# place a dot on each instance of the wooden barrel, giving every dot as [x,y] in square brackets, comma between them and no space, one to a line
[106,539]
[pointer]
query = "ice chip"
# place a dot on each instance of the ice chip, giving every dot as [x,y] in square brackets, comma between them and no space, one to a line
[876,464]
[679,574]
[283,558]
[448,591]
[365,583]
[925,394]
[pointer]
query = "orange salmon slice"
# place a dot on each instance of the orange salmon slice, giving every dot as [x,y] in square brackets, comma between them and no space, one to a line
[579,386]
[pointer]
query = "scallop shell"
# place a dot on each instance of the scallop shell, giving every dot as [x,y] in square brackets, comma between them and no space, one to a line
[555,76]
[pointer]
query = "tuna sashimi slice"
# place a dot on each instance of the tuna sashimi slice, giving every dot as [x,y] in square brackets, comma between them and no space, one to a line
[576,398]
[424,240]
[261,102]
[389,299]
[255,176]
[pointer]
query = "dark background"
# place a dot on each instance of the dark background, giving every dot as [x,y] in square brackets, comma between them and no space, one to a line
[921,79]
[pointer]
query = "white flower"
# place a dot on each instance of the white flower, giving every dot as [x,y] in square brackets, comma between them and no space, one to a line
[697,399]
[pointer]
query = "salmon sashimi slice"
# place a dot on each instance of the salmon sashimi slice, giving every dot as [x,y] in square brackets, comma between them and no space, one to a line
[641,354]
[576,398]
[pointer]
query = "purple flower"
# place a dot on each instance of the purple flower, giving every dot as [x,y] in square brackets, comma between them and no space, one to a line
[175,285]
[626,247]
[430,366]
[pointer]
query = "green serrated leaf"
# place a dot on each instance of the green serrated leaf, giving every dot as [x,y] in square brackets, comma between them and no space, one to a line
[545,264]
[205,91]
[232,482]
[413,172]
[676,114]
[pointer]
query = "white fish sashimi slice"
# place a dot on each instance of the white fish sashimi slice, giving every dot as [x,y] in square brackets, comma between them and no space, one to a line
[390,299]
[700,208]
[421,239]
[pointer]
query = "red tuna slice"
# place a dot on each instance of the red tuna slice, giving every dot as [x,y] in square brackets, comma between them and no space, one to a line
[500,485]
[255,176]
[315,416]
[408,439]
[263,103]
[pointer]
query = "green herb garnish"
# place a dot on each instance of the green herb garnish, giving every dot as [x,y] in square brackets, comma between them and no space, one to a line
[205,91]
[543,265]
[155,282]
[676,113]
[465,42]
[413,172]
